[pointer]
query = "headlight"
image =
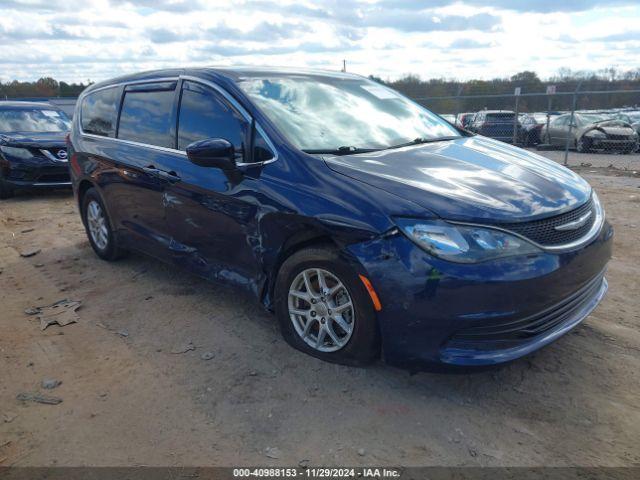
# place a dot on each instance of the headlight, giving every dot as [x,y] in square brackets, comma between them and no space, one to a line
[595,134]
[464,243]
[15,152]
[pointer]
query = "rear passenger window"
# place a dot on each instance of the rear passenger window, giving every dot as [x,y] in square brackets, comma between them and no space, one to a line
[147,117]
[99,111]
[203,114]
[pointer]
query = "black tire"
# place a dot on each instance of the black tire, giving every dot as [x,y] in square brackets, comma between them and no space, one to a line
[112,251]
[6,190]
[363,347]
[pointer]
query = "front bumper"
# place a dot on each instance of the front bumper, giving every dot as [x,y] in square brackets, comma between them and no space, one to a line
[609,144]
[437,313]
[41,174]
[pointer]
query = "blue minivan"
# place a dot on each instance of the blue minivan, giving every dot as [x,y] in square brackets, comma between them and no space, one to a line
[369,225]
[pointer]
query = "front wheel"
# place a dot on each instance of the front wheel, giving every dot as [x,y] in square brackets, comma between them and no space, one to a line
[324,309]
[583,145]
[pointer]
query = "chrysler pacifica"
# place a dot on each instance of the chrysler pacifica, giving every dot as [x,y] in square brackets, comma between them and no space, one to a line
[370,226]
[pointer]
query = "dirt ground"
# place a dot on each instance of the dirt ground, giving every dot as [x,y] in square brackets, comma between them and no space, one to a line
[128,400]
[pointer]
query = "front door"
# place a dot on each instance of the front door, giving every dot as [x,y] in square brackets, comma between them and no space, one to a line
[212,214]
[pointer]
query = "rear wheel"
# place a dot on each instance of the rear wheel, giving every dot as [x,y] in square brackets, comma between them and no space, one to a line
[98,227]
[6,190]
[324,310]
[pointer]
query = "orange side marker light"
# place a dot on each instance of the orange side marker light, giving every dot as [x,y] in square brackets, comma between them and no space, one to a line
[372,293]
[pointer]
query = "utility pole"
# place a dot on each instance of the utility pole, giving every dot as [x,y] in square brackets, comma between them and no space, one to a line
[344,65]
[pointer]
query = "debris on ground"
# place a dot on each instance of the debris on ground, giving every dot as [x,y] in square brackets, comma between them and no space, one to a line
[29,252]
[63,312]
[51,383]
[38,398]
[304,463]
[27,230]
[207,356]
[362,452]
[272,452]
[9,417]
[122,333]
[184,348]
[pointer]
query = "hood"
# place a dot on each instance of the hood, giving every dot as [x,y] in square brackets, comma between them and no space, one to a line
[470,179]
[34,139]
[610,127]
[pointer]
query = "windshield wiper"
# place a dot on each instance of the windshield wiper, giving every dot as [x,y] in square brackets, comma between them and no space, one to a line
[421,140]
[349,150]
[344,150]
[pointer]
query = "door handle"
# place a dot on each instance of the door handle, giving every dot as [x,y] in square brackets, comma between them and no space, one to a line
[170,176]
[162,174]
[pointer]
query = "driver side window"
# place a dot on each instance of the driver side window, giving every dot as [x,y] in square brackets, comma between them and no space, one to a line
[204,114]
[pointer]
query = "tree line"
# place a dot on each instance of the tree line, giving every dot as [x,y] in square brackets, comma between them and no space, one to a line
[607,80]
[427,91]
[44,87]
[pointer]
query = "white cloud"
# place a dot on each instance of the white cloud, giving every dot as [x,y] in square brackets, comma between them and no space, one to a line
[99,39]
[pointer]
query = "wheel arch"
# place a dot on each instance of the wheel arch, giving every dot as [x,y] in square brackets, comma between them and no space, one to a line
[83,187]
[304,238]
[303,233]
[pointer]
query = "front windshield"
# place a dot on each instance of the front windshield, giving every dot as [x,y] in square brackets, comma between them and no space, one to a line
[319,113]
[33,120]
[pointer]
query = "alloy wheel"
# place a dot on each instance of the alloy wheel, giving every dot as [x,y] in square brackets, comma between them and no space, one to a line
[321,310]
[97,225]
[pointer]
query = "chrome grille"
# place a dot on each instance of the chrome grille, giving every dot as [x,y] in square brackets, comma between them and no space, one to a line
[543,232]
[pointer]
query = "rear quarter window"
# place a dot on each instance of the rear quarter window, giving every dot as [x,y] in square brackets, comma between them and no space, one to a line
[99,112]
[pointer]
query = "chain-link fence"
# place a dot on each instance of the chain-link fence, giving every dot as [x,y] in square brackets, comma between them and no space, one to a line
[578,128]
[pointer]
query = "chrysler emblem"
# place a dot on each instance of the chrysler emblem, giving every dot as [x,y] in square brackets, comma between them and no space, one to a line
[576,224]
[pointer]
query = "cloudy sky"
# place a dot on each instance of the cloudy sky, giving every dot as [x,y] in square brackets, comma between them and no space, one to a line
[75,40]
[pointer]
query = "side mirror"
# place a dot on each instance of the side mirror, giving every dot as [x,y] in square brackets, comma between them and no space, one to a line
[212,152]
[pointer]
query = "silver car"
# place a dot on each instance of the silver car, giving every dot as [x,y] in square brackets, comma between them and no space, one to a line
[590,132]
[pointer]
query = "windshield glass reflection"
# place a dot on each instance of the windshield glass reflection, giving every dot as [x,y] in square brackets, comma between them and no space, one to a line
[326,113]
